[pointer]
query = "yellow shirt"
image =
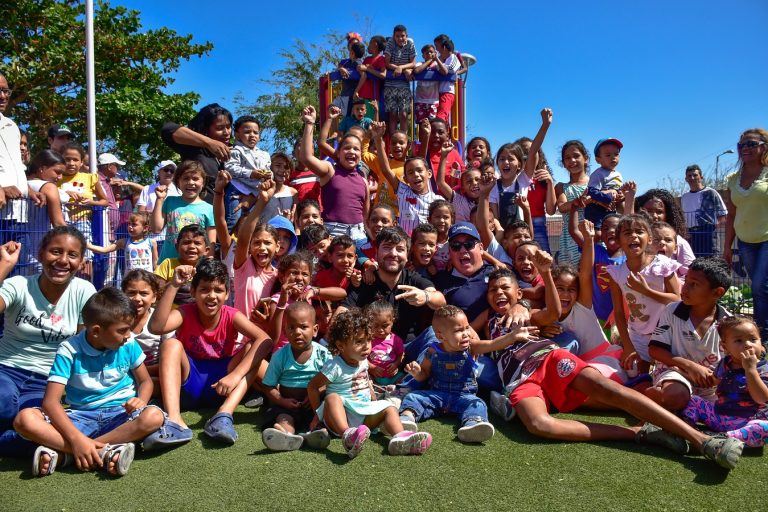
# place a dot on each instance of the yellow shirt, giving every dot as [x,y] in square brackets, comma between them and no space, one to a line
[751,221]
[84,183]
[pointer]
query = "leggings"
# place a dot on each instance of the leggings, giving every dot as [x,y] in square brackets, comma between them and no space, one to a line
[753,432]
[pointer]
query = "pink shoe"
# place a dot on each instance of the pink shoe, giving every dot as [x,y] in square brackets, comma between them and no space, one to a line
[354,439]
[409,443]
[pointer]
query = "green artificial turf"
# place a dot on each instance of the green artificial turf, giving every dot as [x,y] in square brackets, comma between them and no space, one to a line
[513,471]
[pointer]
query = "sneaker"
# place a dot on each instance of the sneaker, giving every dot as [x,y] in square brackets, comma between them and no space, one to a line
[354,439]
[221,427]
[254,403]
[317,439]
[476,432]
[279,441]
[409,443]
[500,406]
[726,451]
[409,424]
[651,434]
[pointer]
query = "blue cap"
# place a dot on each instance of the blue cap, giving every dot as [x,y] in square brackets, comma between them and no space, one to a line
[463,228]
[280,222]
[607,141]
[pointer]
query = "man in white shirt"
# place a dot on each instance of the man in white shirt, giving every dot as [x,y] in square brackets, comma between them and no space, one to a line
[704,211]
[13,181]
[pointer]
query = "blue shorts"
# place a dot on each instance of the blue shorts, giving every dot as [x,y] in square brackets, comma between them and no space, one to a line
[19,389]
[197,390]
[97,422]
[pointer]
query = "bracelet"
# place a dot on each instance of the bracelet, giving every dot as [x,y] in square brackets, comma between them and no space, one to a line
[525,303]
[426,297]
[278,306]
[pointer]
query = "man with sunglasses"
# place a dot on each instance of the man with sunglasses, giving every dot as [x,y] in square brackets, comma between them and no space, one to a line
[466,285]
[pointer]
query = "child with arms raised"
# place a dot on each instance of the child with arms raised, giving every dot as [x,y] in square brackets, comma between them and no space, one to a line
[349,409]
[413,196]
[467,196]
[686,343]
[740,410]
[101,371]
[647,282]
[289,372]
[204,363]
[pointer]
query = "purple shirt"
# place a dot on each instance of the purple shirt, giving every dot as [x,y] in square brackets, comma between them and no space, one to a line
[343,197]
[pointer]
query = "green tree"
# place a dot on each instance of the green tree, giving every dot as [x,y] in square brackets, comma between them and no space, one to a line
[293,87]
[43,47]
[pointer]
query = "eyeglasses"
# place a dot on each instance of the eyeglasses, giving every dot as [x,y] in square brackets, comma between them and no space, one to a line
[6,92]
[468,245]
[749,144]
[168,169]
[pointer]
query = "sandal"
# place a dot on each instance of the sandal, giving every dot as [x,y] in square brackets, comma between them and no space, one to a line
[170,434]
[124,453]
[52,464]
[221,426]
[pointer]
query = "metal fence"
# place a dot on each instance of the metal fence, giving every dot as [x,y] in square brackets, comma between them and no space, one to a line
[29,223]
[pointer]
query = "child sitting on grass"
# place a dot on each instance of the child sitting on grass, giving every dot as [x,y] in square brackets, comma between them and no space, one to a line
[686,344]
[204,363]
[101,371]
[289,372]
[349,409]
[449,365]
[387,349]
[742,386]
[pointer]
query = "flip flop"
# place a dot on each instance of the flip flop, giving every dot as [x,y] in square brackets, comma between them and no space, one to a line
[170,434]
[221,426]
[124,452]
[52,464]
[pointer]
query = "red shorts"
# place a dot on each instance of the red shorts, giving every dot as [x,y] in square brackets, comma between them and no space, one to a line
[551,382]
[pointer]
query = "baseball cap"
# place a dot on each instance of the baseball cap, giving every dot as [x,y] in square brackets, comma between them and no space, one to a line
[57,130]
[463,228]
[109,158]
[164,164]
[607,141]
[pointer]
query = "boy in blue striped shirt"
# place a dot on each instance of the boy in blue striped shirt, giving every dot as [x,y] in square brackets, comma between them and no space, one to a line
[101,371]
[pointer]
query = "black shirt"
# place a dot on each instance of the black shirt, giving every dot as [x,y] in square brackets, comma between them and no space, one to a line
[467,293]
[407,316]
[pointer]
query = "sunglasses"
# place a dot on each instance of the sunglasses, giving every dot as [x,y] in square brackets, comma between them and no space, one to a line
[468,245]
[749,144]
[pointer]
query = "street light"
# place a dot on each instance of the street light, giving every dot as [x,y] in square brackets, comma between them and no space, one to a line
[469,61]
[717,164]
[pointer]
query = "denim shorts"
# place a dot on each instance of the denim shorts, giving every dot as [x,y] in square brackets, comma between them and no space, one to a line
[97,422]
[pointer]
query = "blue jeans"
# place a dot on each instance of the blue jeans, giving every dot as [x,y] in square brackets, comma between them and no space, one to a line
[755,258]
[19,389]
[230,203]
[540,232]
[414,350]
[428,403]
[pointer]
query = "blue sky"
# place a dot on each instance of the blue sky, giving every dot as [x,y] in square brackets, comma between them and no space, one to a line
[677,82]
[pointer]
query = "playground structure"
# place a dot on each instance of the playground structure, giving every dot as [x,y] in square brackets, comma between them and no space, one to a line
[457,126]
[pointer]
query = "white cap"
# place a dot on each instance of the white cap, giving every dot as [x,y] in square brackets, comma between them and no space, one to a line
[164,164]
[109,158]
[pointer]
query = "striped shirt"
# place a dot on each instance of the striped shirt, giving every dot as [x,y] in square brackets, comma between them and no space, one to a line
[93,378]
[413,207]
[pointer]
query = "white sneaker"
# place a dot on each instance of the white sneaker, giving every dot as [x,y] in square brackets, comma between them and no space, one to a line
[317,439]
[476,432]
[409,425]
[500,406]
[279,441]
[409,443]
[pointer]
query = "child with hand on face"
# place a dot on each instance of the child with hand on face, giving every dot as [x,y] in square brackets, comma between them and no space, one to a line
[342,273]
[740,410]
[469,191]
[349,409]
[290,371]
